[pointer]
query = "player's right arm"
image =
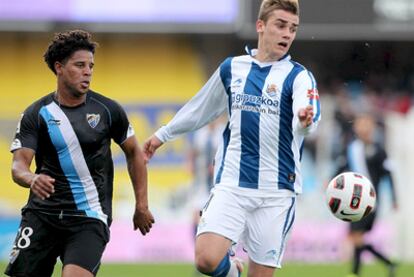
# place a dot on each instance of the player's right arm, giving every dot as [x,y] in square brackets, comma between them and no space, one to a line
[23,148]
[306,103]
[40,184]
[208,104]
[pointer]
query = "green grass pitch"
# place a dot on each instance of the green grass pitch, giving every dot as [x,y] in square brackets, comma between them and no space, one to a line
[289,270]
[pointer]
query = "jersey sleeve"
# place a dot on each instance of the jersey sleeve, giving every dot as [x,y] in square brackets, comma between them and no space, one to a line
[305,93]
[209,103]
[26,135]
[120,128]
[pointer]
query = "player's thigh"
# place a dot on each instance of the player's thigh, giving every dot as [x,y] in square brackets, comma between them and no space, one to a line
[35,248]
[258,270]
[85,244]
[210,248]
[222,222]
[268,229]
[223,214]
[71,270]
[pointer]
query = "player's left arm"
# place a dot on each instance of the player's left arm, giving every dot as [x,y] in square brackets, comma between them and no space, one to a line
[124,135]
[306,103]
[137,170]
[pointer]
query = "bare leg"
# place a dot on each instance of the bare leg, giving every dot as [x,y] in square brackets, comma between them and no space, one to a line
[210,249]
[72,270]
[357,240]
[257,270]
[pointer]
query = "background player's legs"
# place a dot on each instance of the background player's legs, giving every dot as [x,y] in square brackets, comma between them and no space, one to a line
[72,270]
[210,249]
[357,240]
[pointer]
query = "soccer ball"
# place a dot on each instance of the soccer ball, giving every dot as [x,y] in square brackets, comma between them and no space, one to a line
[350,196]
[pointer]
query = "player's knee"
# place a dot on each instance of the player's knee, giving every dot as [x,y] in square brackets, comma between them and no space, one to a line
[212,266]
[205,264]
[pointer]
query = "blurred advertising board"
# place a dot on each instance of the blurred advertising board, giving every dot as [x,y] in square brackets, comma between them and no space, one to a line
[125,16]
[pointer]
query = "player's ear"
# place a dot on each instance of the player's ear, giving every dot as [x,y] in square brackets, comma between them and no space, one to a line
[58,67]
[260,24]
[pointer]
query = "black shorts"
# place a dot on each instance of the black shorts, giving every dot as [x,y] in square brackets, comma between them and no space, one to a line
[42,238]
[365,224]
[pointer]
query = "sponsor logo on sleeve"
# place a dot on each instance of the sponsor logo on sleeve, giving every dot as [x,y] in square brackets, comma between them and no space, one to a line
[19,124]
[130,131]
[313,94]
[16,144]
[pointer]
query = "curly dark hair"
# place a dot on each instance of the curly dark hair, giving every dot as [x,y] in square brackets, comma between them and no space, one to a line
[65,44]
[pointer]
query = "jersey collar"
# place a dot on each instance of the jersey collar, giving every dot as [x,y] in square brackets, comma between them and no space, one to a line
[253,52]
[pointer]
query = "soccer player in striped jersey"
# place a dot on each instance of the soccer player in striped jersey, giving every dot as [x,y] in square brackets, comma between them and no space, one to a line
[68,132]
[271,103]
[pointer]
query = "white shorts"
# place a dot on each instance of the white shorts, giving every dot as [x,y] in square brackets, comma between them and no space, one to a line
[262,224]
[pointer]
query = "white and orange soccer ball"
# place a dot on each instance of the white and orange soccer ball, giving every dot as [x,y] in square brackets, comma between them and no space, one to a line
[350,196]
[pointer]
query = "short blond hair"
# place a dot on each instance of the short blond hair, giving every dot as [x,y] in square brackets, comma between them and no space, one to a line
[269,6]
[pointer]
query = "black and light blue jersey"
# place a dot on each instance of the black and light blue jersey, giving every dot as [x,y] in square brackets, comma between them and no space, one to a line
[262,144]
[72,145]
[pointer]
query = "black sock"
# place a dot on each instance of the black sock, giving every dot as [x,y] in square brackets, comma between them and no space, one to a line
[377,254]
[357,260]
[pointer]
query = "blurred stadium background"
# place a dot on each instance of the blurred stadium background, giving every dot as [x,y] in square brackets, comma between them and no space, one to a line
[155,55]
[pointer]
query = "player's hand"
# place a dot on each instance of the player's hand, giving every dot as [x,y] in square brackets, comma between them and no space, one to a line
[143,220]
[150,146]
[42,185]
[306,116]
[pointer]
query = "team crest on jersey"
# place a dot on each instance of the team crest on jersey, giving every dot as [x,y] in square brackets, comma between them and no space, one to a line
[272,90]
[93,119]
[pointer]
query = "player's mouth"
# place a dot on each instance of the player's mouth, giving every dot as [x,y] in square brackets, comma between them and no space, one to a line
[85,84]
[284,45]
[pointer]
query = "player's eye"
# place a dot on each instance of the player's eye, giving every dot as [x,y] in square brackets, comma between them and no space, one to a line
[280,25]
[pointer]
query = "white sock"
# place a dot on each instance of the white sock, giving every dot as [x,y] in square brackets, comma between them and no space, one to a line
[233,272]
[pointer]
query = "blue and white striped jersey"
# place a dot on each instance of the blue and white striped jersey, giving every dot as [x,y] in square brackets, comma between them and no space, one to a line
[262,143]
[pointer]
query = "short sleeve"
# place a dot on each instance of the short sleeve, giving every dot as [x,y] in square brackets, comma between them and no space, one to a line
[120,128]
[27,131]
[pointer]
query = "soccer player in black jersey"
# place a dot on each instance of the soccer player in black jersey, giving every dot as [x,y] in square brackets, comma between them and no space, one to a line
[68,132]
[365,155]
